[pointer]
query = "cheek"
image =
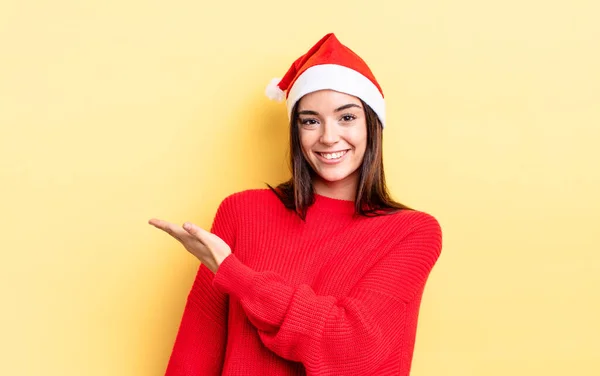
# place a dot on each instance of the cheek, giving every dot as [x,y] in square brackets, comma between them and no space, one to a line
[359,140]
[303,141]
[305,144]
[360,153]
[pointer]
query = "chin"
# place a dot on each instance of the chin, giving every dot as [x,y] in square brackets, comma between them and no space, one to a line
[334,176]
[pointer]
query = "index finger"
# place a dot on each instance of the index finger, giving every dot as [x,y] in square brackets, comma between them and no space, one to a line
[168,227]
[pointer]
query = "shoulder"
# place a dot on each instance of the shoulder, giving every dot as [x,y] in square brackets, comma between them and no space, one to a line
[418,219]
[409,218]
[249,198]
[413,224]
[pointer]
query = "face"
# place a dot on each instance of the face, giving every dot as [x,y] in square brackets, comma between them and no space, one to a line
[333,136]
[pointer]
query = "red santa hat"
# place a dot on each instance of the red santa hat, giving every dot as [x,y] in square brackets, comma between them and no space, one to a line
[329,65]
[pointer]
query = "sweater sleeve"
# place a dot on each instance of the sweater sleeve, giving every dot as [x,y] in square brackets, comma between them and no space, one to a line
[332,335]
[199,347]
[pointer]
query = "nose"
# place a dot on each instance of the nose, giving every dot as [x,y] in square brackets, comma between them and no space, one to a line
[330,134]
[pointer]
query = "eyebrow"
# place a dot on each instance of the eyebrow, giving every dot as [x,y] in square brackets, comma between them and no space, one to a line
[342,108]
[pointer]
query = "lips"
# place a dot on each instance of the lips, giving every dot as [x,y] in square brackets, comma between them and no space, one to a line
[331,157]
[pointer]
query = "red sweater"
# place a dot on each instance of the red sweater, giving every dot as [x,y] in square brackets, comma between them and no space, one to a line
[335,295]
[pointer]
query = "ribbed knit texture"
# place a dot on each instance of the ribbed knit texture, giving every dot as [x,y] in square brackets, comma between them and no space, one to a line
[335,295]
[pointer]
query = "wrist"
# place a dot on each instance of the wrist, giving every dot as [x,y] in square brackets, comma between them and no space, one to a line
[220,258]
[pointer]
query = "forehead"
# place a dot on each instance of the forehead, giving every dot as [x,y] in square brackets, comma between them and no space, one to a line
[326,99]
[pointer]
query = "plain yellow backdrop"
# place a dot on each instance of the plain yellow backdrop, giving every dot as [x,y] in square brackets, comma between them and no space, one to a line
[113,112]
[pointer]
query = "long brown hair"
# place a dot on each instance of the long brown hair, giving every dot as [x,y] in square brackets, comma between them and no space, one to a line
[372,196]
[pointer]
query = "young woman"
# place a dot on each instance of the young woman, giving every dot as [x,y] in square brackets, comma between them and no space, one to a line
[322,275]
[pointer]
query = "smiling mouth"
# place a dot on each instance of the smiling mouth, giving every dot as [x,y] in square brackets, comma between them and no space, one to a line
[333,156]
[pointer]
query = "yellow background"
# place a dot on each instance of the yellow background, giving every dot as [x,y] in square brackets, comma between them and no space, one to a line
[113,112]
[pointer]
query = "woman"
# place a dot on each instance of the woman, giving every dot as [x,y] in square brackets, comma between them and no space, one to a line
[322,275]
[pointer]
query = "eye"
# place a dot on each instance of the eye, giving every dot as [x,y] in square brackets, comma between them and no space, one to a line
[308,122]
[348,118]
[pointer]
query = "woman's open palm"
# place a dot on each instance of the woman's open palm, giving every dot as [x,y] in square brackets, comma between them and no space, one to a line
[206,246]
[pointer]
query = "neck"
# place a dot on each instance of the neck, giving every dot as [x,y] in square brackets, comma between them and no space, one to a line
[342,190]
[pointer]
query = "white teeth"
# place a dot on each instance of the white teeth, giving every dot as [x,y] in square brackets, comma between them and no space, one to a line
[337,155]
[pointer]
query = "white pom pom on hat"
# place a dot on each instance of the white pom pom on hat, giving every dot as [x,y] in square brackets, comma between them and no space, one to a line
[274,92]
[329,65]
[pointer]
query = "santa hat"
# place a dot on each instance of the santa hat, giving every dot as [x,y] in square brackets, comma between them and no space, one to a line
[329,65]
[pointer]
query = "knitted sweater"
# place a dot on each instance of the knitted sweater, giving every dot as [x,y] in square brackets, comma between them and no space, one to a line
[335,295]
